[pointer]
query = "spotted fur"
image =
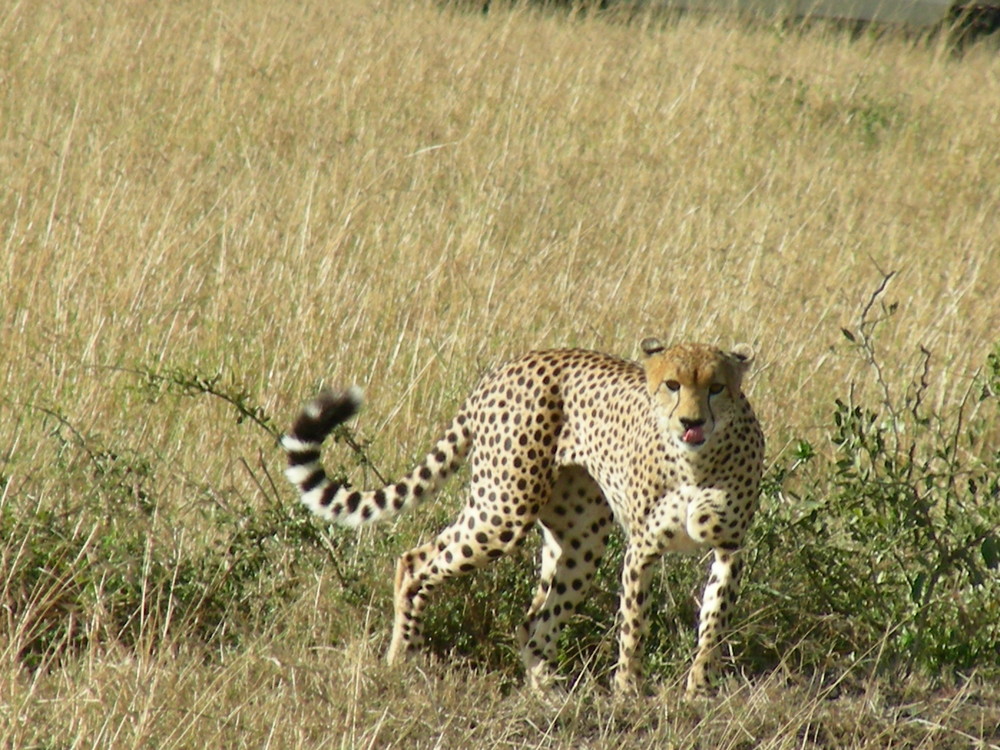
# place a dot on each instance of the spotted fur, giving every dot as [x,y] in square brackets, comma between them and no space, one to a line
[573,440]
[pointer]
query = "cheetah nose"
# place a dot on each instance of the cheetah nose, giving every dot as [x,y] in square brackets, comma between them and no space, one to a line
[693,431]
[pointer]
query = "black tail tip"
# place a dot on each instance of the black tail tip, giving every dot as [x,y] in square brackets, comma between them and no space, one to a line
[325,412]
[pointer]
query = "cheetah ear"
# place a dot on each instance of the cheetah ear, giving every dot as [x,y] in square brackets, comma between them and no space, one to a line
[652,346]
[743,354]
[740,357]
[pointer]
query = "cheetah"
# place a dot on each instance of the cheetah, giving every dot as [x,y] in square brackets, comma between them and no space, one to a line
[575,441]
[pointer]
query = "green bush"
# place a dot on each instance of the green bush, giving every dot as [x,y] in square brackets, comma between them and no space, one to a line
[886,548]
[108,564]
[880,547]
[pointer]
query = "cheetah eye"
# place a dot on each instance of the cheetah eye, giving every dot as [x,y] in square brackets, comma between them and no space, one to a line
[672,385]
[715,389]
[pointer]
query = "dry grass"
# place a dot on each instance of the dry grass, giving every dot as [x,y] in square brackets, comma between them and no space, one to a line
[401,196]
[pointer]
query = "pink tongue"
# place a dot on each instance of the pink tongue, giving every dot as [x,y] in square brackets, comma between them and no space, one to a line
[694,435]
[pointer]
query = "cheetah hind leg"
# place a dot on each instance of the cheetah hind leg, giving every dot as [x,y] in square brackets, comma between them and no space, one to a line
[538,664]
[458,550]
[575,523]
[407,634]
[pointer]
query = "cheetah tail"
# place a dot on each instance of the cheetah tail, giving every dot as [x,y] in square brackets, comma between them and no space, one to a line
[340,503]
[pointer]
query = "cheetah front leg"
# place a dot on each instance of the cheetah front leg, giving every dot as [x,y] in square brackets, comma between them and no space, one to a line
[716,610]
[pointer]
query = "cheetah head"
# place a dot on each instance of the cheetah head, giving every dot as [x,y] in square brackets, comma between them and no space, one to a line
[694,388]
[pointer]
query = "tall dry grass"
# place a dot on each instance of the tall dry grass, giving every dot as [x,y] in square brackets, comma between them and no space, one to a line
[401,195]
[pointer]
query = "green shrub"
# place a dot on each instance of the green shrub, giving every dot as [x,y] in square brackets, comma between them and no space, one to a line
[881,548]
[886,548]
[108,564]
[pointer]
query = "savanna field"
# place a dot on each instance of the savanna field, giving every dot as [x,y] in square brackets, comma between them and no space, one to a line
[209,211]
